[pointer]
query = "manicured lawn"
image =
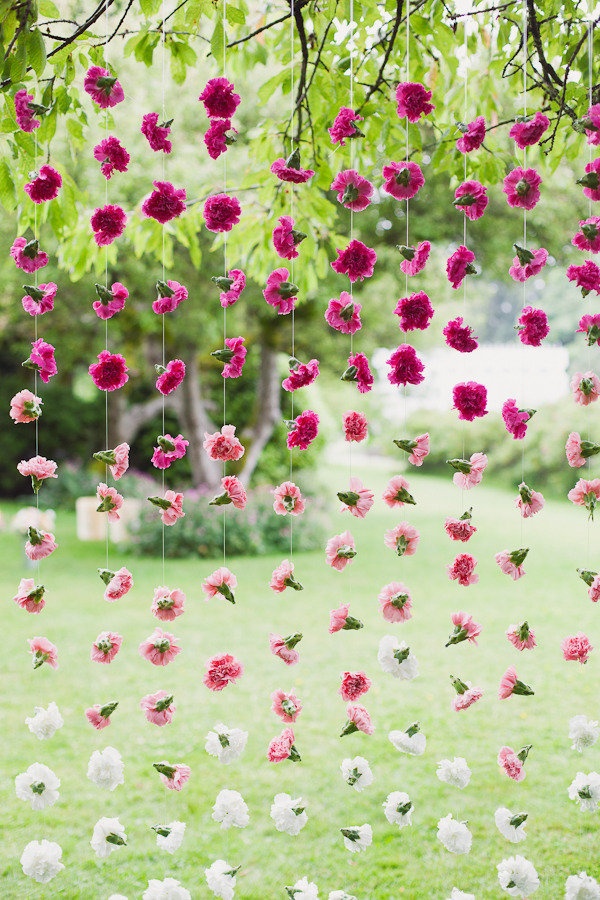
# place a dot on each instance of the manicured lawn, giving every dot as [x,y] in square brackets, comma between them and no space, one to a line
[410,862]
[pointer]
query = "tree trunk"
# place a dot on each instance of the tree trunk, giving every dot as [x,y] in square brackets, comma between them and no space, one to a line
[194,422]
[269,410]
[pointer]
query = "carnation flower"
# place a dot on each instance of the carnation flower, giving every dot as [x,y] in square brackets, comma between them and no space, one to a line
[460,529]
[358,370]
[592,124]
[403,180]
[40,544]
[219,99]
[471,197]
[590,326]
[417,448]
[463,570]
[286,238]
[41,360]
[460,895]
[301,374]
[413,101]
[110,501]
[287,706]
[459,336]
[586,493]
[99,715]
[395,602]
[169,449]
[284,647]
[230,809]
[358,500]
[517,876]
[117,583]
[38,786]
[283,747]
[528,130]
[405,366]
[304,429]
[233,355]
[168,889]
[586,277]
[222,582]
[41,860]
[532,326]
[357,773]
[222,670]
[588,238]
[396,494]
[411,741]
[521,636]
[288,499]
[166,202]
[513,763]
[354,685]
[414,312]
[465,695]
[344,314]
[527,263]
[339,620]
[45,722]
[106,768]
[43,651]
[44,186]
[582,887]
[470,400]
[303,890]
[592,579]
[105,647]
[511,562]
[156,135]
[403,538]
[29,596]
[158,708]
[473,135]
[102,87]
[234,284]
[340,550]
[24,110]
[522,188]
[355,426]
[25,407]
[577,647]
[455,772]
[510,825]
[460,264]
[398,809]
[515,419]
[38,468]
[357,261]
[217,138]
[583,732]
[396,659]
[173,776]
[465,629]
[160,648]
[171,376]
[108,835]
[112,156]
[110,302]
[110,372]
[353,191]
[220,876]
[233,492]
[454,835]
[590,181]
[344,126]
[578,450]
[510,684]
[585,387]
[585,790]
[415,258]
[170,295]
[290,169]
[358,720]
[289,813]
[280,293]
[39,300]
[227,744]
[171,507]
[28,256]
[169,837]
[357,837]
[108,223]
[221,212]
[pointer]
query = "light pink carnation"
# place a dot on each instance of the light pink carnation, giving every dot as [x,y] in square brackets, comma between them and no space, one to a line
[160,648]
[284,647]
[510,684]
[223,444]
[585,387]
[40,544]
[120,583]
[511,563]
[38,468]
[159,708]
[222,670]
[288,499]
[339,620]
[173,776]
[167,604]
[521,636]
[529,502]
[44,651]
[283,577]
[403,538]
[354,685]
[106,646]
[340,550]
[465,629]
[358,500]
[577,647]
[110,501]
[25,407]
[287,706]
[233,492]
[99,716]
[282,748]
[396,493]
[171,506]
[358,720]
[29,596]
[512,763]
[417,448]
[395,602]
[586,493]
[578,450]
[222,582]
[168,450]
[465,699]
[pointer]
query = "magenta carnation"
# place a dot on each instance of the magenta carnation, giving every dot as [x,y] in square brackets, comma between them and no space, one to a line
[473,135]
[358,370]
[415,312]
[522,188]
[515,419]
[110,301]
[471,197]
[591,180]
[460,264]
[27,255]
[343,314]
[415,258]
[171,376]
[344,127]
[234,364]
[24,111]
[533,326]
[169,449]
[353,191]
[470,400]
[103,88]
[108,223]
[112,156]
[166,202]
[42,359]
[528,131]
[221,212]
[305,428]
[110,372]
[592,125]
[217,138]
[279,292]
[405,366]
[234,284]
[588,239]
[357,261]
[156,135]
[459,336]
[219,99]
[286,238]
[170,295]
[413,101]
[527,263]
[40,299]
[45,186]
[586,277]
[402,180]
[290,170]
[301,374]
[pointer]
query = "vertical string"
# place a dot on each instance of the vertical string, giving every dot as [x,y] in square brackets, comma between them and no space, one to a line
[406,154]
[292,215]
[465,280]
[224,23]
[590,46]
[352,163]
[525,40]
[106,435]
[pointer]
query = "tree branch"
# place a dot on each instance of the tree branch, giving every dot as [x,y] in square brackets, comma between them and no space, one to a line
[380,75]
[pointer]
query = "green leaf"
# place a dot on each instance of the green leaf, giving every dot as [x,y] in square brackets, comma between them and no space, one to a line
[49,9]
[217,42]
[18,61]
[234,15]
[8,194]
[69,70]
[150,7]
[36,51]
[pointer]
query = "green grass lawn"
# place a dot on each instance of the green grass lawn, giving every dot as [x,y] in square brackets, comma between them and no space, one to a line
[407,863]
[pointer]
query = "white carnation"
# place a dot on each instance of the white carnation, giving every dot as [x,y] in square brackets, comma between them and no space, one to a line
[583,732]
[41,860]
[230,809]
[395,658]
[357,837]
[220,878]
[289,814]
[517,876]
[169,889]
[226,743]
[106,768]
[454,835]
[108,835]
[585,789]
[460,895]
[45,722]
[455,772]
[304,890]
[340,895]
[510,825]
[38,785]
[413,744]
[582,887]
[172,841]
[357,773]
[398,809]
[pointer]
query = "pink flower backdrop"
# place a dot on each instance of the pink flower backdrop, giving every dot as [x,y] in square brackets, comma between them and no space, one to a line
[356,260]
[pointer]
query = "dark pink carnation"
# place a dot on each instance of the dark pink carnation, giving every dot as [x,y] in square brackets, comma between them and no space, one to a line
[108,223]
[355,426]
[590,326]
[459,264]
[471,197]
[413,101]
[219,99]
[522,188]
[221,671]
[112,156]
[40,299]
[44,186]
[473,135]
[415,312]
[344,314]
[470,399]
[515,419]
[357,261]
[233,291]
[290,169]
[217,139]
[221,212]
[110,302]
[353,191]
[593,124]
[169,449]
[402,180]
[156,135]
[103,88]
[415,258]
[527,263]
[362,376]
[233,367]
[304,430]
[166,202]
[459,336]
[533,326]
[591,180]
[279,292]
[459,529]
[588,239]
[42,359]
[24,112]
[301,375]
[527,133]
[110,372]
[286,238]
[170,295]
[27,255]
[344,127]
[354,685]
[586,277]
[405,366]
[172,376]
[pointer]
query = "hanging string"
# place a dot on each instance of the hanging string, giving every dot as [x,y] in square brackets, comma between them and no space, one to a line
[292,215]
[464,284]
[224,52]
[352,163]
[106,435]
[406,156]
[590,46]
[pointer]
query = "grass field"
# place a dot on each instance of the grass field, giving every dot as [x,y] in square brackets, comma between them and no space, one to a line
[407,863]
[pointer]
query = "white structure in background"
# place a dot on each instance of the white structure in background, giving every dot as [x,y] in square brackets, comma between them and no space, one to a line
[534,376]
